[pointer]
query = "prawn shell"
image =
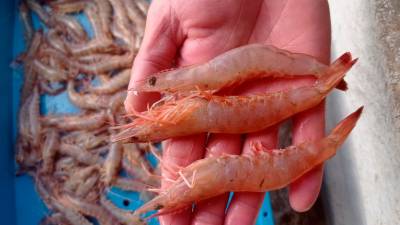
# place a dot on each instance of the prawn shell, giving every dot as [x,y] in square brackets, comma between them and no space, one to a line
[264,170]
[233,68]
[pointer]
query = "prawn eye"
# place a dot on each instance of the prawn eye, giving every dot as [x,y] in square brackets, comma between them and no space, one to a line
[158,207]
[152,81]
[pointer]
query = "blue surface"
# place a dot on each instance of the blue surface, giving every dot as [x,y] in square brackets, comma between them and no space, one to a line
[20,204]
[7,203]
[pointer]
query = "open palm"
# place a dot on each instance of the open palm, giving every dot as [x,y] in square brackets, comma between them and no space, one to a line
[185,32]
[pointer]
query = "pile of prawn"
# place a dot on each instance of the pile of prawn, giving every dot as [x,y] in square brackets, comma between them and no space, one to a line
[195,100]
[73,163]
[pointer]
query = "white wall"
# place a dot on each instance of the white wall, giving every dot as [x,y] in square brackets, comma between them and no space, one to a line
[362,184]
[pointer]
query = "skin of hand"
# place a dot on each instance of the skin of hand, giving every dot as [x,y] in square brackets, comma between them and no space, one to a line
[187,32]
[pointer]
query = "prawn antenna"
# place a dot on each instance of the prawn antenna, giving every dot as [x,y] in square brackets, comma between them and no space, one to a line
[191,184]
[156,190]
[169,168]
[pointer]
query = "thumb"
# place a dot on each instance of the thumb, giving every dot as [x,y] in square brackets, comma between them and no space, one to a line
[157,52]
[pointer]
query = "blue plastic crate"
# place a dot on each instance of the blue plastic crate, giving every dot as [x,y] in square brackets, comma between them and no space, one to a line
[20,204]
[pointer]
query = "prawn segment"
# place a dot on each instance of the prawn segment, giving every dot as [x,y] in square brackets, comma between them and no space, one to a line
[270,170]
[230,114]
[233,68]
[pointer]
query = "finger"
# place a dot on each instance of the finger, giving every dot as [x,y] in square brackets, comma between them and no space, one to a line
[212,211]
[244,206]
[307,126]
[177,153]
[157,52]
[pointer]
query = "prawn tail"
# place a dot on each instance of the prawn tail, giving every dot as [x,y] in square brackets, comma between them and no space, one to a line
[333,76]
[343,129]
[345,58]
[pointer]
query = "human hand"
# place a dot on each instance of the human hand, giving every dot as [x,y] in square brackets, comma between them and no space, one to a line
[186,32]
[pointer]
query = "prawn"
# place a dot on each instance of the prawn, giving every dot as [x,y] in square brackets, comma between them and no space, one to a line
[136,165]
[90,121]
[121,34]
[105,12]
[48,72]
[136,16]
[143,5]
[107,64]
[130,185]
[123,216]
[49,151]
[78,176]
[229,114]
[39,10]
[30,77]
[89,209]
[65,7]
[91,101]
[92,11]
[269,169]
[73,216]
[87,185]
[80,155]
[112,163]
[85,139]
[117,82]
[234,67]
[71,26]
[64,165]
[121,26]
[27,22]
[55,40]
[29,124]
[94,46]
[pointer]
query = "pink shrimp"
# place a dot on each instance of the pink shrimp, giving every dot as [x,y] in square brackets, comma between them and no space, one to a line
[114,84]
[30,77]
[89,121]
[94,46]
[26,21]
[124,216]
[49,151]
[112,163]
[55,40]
[129,184]
[65,7]
[90,209]
[87,186]
[136,16]
[234,67]
[48,72]
[230,114]
[79,154]
[143,5]
[106,64]
[30,126]
[105,13]
[93,101]
[270,170]
[95,13]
